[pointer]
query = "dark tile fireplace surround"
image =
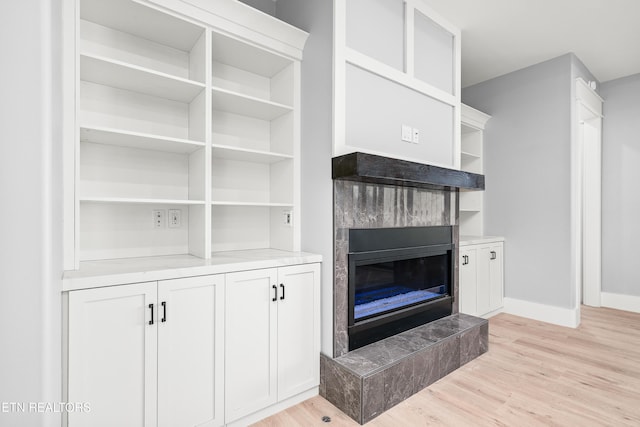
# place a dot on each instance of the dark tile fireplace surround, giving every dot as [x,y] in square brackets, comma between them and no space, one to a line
[374,192]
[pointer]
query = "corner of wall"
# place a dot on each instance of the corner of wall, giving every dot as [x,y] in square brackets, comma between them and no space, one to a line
[316,147]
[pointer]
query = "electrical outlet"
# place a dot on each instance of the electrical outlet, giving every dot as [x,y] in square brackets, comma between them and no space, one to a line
[407,133]
[288,218]
[175,218]
[159,216]
[416,135]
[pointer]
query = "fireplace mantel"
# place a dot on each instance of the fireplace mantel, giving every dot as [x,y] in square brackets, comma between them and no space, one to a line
[385,170]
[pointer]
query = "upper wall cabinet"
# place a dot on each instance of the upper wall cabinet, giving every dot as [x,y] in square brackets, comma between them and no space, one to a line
[181,127]
[397,63]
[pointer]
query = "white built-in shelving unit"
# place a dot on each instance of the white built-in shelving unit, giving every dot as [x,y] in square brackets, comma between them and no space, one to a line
[471,149]
[182,112]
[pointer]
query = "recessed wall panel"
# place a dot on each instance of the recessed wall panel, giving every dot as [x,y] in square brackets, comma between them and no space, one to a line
[374,119]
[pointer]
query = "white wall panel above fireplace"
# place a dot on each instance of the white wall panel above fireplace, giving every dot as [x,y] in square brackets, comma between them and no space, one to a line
[400,70]
[373,119]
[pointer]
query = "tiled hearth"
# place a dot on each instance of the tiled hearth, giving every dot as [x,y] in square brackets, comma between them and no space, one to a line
[367,381]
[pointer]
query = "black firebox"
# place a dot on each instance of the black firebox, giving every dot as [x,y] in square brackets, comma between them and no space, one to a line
[399,278]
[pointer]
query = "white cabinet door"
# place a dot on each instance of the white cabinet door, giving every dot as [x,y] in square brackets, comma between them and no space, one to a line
[496,276]
[250,341]
[484,280]
[481,278]
[112,356]
[190,351]
[467,292]
[298,329]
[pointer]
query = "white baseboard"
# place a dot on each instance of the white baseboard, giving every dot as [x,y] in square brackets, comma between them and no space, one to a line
[620,302]
[569,317]
[274,409]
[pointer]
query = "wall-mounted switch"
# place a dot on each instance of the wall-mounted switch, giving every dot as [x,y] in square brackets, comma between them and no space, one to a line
[175,218]
[159,216]
[406,133]
[416,136]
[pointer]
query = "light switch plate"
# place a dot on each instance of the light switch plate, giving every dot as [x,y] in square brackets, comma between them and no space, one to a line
[407,133]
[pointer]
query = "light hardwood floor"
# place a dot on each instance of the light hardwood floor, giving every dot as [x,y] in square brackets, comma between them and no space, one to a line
[535,374]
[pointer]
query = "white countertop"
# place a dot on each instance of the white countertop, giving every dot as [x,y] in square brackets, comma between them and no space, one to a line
[93,274]
[475,240]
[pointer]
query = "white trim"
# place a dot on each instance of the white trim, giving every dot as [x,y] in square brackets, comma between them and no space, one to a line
[240,20]
[586,106]
[588,94]
[409,38]
[275,408]
[473,118]
[620,301]
[493,313]
[569,317]
[426,10]
[339,77]
[381,69]
[69,136]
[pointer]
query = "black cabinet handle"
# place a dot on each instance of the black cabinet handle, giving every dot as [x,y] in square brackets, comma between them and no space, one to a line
[282,286]
[275,293]
[164,311]
[465,259]
[493,255]
[151,308]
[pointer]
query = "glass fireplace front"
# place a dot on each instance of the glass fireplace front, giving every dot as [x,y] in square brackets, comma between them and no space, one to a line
[399,278]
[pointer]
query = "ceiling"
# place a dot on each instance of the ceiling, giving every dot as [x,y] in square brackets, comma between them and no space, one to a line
[500,36]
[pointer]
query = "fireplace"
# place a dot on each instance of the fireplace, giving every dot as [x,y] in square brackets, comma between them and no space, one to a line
[396,326]
[398,278]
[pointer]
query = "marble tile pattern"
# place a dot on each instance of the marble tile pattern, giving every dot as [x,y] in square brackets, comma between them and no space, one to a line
[367,381]
[366,205]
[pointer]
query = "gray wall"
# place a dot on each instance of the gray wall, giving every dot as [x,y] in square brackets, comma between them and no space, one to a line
[30,186]
[620,178]
[527,166]
[317,186]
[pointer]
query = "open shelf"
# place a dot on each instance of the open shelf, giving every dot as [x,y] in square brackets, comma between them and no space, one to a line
[143,22]
[238,103]
[257,204]
[126,229]
[140,201]
[471,155]
[129,77]
[228,152]
[245,226]
[117,174]
[253,134]
[123,138]
[471,201]
[471,147]
[235,53]
[178,112]
[243,183]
